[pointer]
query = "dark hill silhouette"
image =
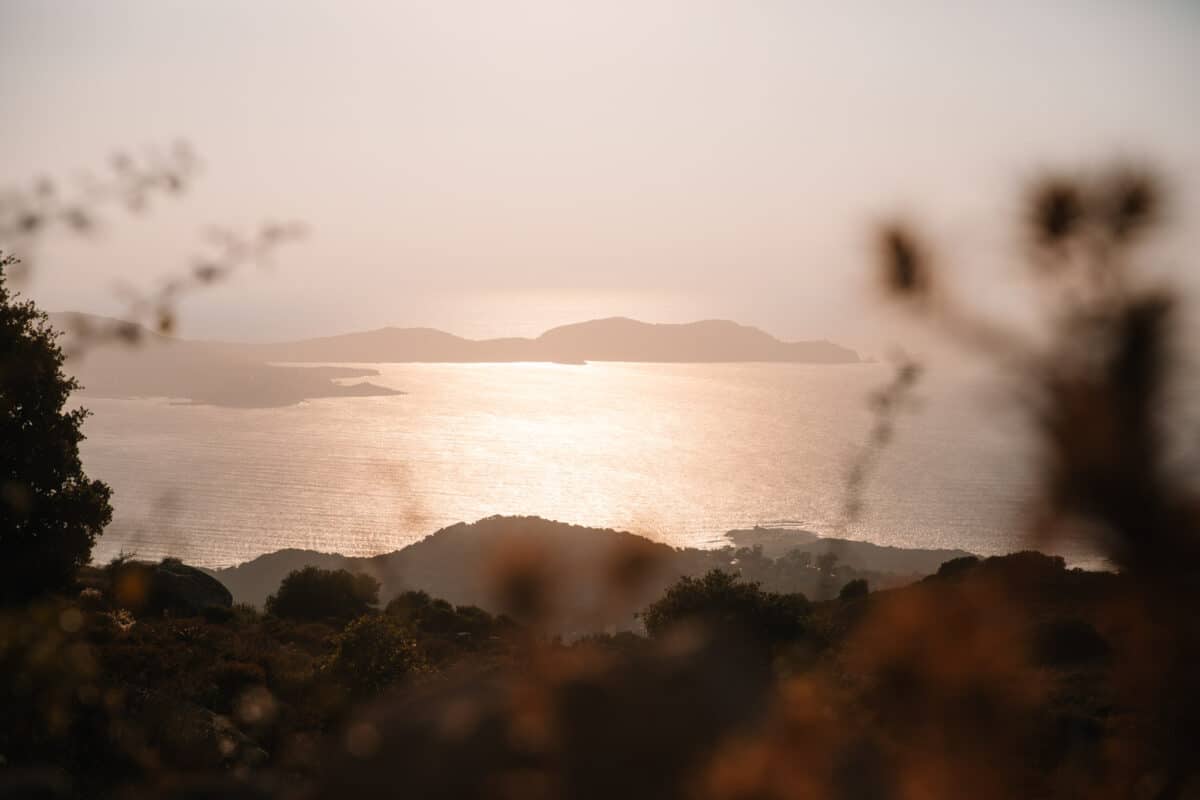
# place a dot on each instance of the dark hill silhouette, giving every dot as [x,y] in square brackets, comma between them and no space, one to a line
[457,563]
[613,339]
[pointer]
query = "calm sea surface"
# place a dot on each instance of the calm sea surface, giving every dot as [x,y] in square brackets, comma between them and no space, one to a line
[679,453]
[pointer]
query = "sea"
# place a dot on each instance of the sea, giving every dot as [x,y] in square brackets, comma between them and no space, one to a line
[680,453]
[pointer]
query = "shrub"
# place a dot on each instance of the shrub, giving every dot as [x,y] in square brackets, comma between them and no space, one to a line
[245,613]
[430,615]
[373,653]
[1067,642]
[957,566]
[312,593]
[854,590]
[720,600]
[105,626]
[218,615]
[91,600]
[231,678]
[1027,567]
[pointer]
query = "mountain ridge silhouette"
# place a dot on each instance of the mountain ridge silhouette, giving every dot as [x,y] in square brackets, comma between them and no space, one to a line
[251,375]
[606,339]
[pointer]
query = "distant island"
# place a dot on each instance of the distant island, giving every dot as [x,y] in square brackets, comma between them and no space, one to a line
[612,339]
[252,375]
[152,365]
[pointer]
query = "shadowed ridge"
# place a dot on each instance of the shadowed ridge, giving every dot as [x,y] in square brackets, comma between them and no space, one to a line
[456,563]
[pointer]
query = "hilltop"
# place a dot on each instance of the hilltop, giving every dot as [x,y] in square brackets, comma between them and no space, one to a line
[458,563]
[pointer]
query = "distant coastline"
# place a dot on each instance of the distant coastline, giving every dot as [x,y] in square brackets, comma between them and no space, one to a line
[612,339]
[247,375]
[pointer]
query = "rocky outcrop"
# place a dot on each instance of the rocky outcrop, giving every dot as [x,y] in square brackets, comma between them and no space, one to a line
[176,587]
[167,587]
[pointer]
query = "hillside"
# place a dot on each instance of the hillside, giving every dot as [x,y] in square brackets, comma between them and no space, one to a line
[459,563]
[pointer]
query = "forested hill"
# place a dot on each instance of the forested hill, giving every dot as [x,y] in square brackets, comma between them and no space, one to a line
[580,565]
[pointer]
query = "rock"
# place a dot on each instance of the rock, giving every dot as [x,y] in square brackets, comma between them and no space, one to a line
[180,589]
[170,586]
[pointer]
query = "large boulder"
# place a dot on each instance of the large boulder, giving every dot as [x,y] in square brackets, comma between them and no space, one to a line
[169,586]
[178,588]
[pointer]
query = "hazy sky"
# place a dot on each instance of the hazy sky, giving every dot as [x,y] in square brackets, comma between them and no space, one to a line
[496,167]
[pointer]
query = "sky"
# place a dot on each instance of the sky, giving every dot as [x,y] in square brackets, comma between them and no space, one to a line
[495,168]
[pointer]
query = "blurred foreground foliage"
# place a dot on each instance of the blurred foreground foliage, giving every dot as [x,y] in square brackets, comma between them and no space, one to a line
[44,209]
[1010,676]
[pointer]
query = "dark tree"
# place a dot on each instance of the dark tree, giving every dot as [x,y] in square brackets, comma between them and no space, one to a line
[721,601]
[50,513]
[855,589]
[431,615]
[314,593]
[957,566]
